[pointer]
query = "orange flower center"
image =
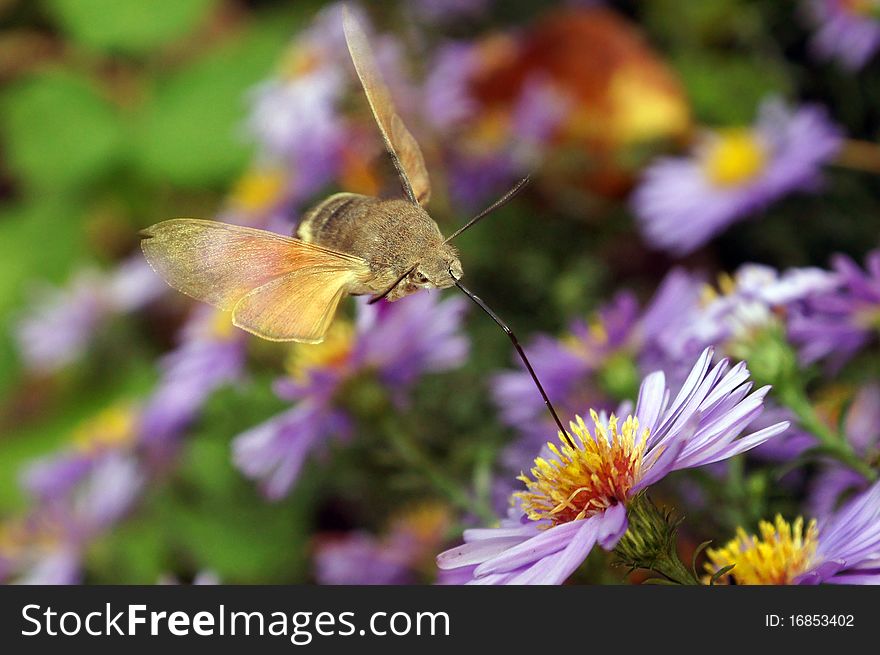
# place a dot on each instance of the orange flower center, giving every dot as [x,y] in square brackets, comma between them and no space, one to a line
[589,477]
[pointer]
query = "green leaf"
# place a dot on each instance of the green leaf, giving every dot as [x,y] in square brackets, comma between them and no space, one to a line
[725,89]
[720,573]
[51,224]
[131,26]
[58,130]
[191,131]
[703,546]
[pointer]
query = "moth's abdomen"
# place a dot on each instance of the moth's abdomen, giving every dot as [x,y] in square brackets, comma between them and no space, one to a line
[330,223]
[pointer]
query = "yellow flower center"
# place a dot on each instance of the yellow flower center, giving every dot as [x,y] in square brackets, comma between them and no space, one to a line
[259,189]
[782,553]
[736,157]
[589,477]
[331,352]
[114,426]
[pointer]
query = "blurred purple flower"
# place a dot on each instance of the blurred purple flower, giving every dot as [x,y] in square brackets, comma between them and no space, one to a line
[447,11]
[743,306]
[297,116]
[360,559]
[49,545]
[540,110]
[682,202]
[837,324]
[295,120]
[577,496]
[395,343]
[567,368]
[61,324]
[211,354]
[447,101]
[395,558]
[111,432]
[846,30]
[862,430]
[621,335]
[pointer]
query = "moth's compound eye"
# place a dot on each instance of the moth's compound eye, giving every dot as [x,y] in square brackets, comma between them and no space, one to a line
[420,278]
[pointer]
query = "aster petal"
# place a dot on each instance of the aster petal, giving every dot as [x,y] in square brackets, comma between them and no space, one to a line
[740,445]
[475,552]
[612,526]
[545,543]
[652,394]
[665,463]
[556,568]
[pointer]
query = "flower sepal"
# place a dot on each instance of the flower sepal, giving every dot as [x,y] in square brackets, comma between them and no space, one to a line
[650,542]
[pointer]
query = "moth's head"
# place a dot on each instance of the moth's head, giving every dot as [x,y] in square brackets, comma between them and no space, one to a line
[441,270]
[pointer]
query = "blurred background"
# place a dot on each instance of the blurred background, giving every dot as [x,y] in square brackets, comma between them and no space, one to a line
[142,439]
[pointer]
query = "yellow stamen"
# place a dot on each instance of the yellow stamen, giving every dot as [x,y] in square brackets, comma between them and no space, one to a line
[736,157]
[332,351]
[590,477]
[782,553]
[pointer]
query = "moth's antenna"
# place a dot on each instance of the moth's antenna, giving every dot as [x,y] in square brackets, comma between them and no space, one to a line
[522,355]
[376,299]
[503,200]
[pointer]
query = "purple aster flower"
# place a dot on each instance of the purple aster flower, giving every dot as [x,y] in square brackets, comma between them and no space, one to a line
[841,548]
[577,494]
[395,343]
[682,202]
[48,546]
[296,122]
[211,354]
[275,451]
[52,478]
[62,324]
[837,324]
[744,305]
[846,30]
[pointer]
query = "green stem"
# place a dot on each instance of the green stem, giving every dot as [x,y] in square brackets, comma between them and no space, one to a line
[650,542]
[413,454]
[834,445]
[675,570]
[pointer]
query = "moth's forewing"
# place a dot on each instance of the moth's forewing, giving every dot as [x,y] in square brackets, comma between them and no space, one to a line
[398,140]
[225,264]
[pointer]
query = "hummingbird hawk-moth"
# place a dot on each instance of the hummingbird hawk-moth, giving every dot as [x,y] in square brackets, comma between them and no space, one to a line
[288,288]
